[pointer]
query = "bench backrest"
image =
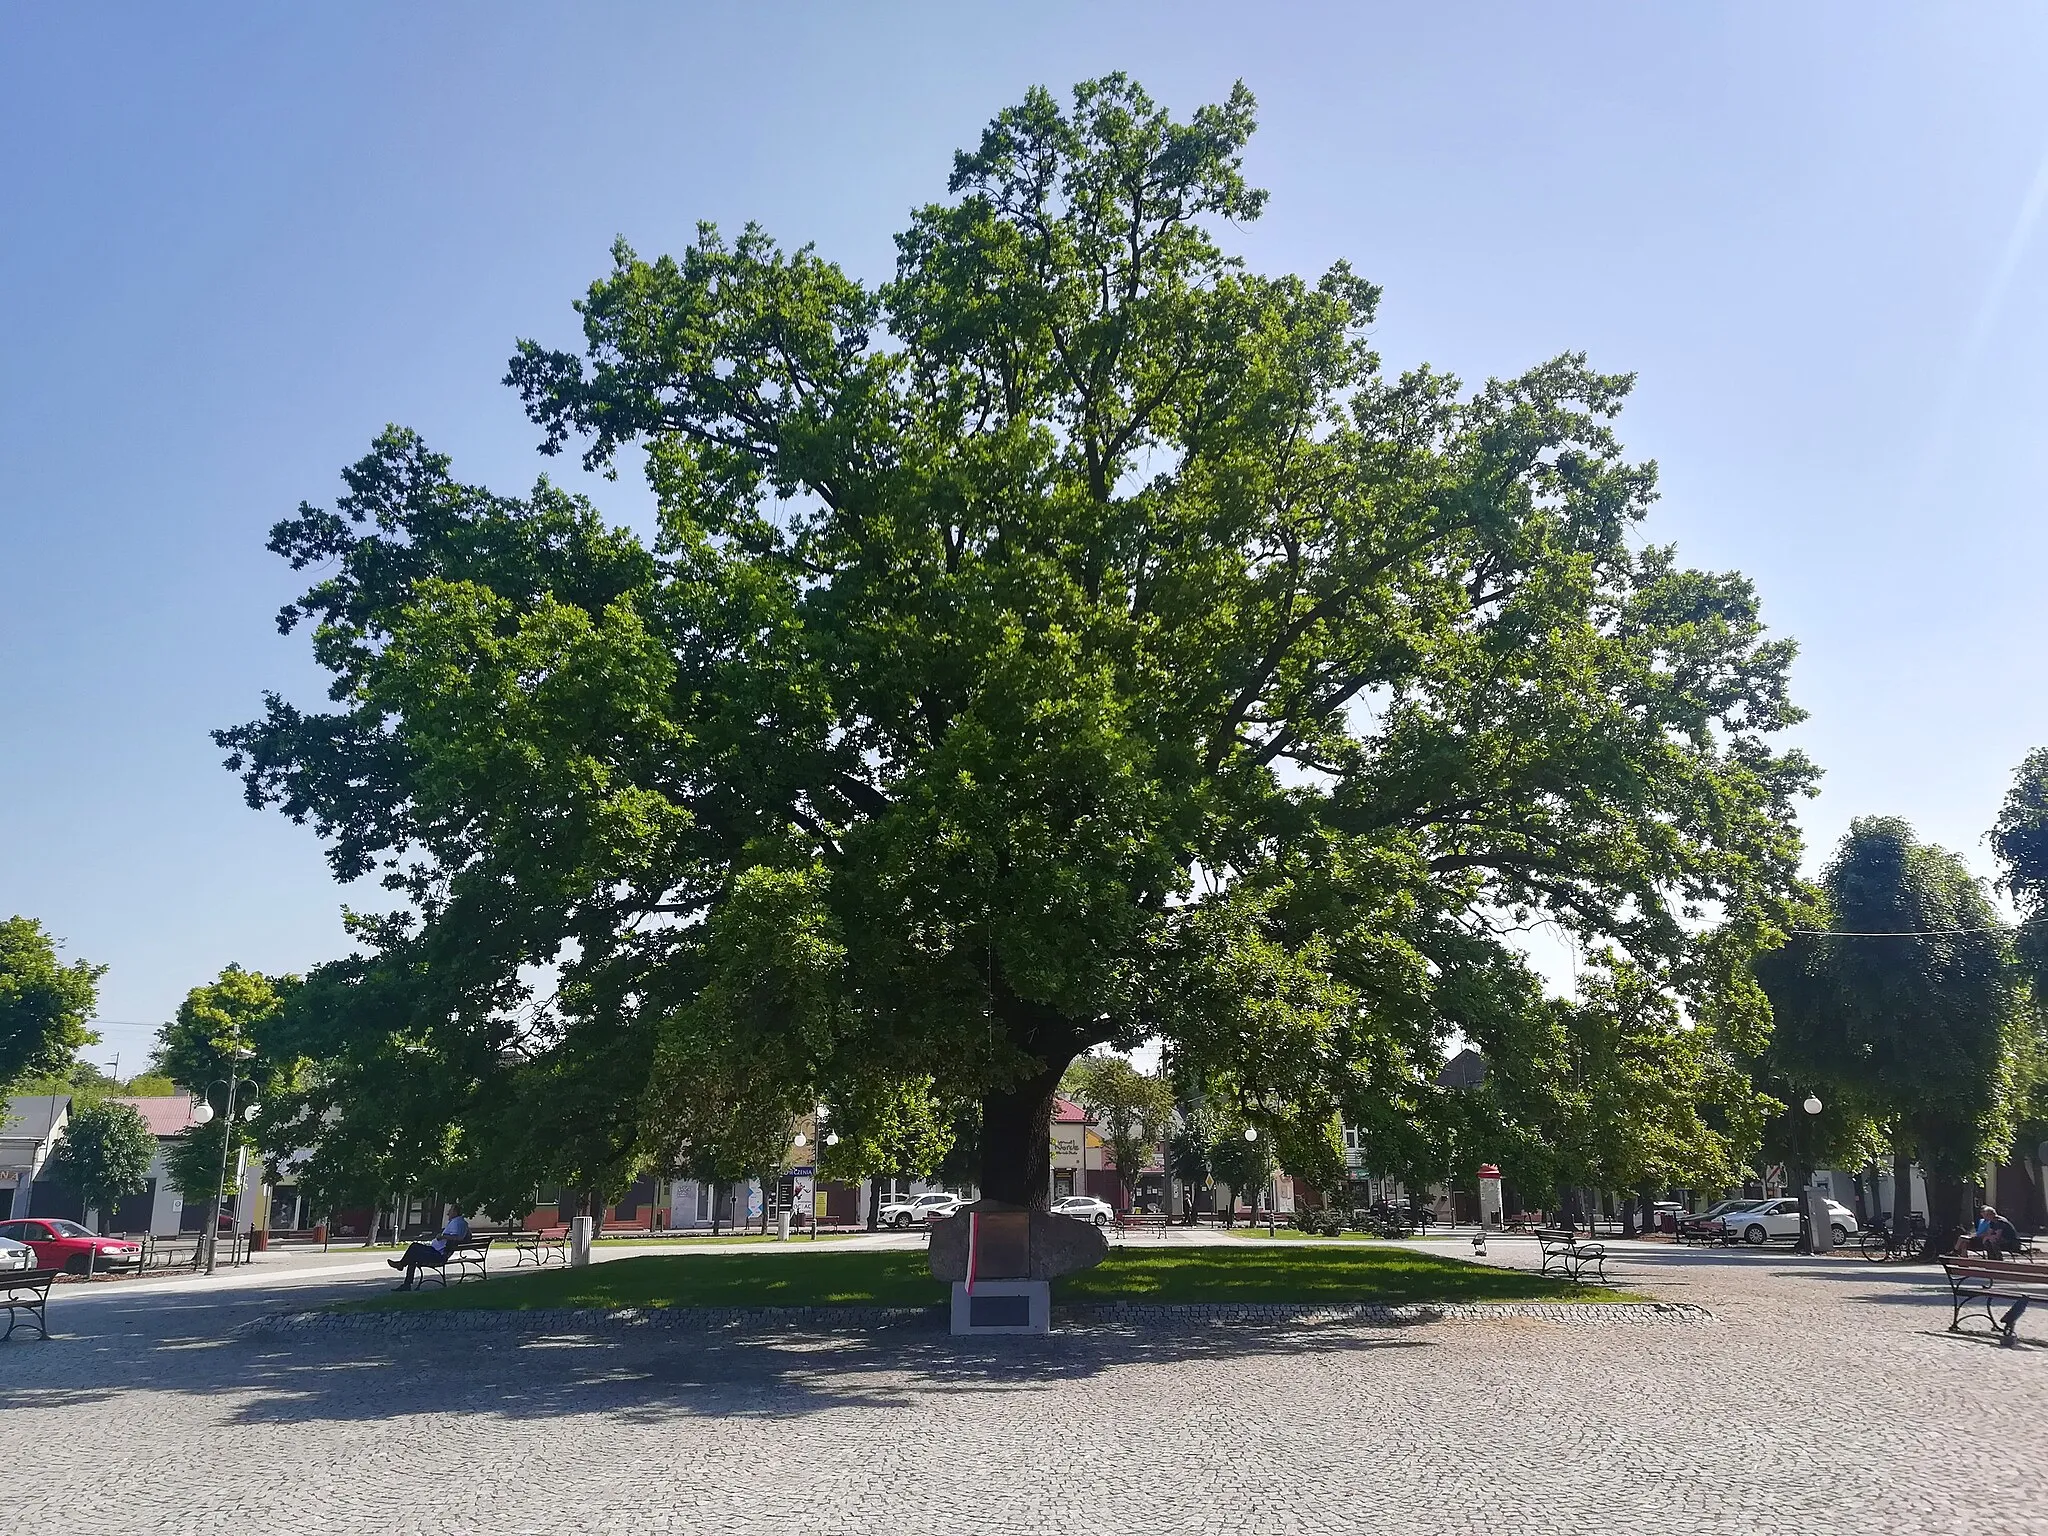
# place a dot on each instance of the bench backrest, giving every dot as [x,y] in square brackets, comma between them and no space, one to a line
[1985,1269]
[469,1245]
[29,1279]
[1557,1235]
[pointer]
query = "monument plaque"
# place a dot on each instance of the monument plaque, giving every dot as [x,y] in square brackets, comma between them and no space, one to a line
[1001,1261]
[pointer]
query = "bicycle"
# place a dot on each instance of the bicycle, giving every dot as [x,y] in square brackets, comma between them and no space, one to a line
[1881,1243]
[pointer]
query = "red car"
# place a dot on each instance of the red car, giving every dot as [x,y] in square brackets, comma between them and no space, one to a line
[61,1244]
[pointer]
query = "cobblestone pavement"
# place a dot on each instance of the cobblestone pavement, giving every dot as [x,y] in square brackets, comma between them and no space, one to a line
[1830,1397]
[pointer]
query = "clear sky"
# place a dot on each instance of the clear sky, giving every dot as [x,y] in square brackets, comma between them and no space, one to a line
[231,249]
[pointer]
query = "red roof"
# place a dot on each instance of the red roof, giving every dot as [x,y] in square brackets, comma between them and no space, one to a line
[1067,1112]
[167,1114]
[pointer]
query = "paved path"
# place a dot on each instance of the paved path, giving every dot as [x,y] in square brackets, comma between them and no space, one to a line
[1828,1381]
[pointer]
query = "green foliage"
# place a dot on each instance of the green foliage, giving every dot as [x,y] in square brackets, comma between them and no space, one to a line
[1132,1107]
[1245,1165]
[886,1128]
[1911,1019]
[1619,1091]
[105,1154]
[1188,1144]
[2020,839]
[226,1028]
[1074,640]
[43,1005]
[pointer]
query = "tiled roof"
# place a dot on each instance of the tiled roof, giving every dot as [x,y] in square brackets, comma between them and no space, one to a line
[1067,1112]
[167,1114]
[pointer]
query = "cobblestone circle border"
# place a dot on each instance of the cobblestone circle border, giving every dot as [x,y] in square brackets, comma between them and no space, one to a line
[1124,1314]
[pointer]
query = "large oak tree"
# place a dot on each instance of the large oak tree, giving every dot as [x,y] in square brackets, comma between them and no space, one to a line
[1072,640]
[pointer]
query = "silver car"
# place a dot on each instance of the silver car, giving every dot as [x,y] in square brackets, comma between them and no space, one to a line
[15,1255]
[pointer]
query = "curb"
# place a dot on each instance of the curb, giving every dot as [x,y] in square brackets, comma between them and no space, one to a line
[1137,1315]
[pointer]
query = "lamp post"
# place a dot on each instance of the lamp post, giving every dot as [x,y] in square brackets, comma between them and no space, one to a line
[202,1114]
[1251,1133]
[1812,1107]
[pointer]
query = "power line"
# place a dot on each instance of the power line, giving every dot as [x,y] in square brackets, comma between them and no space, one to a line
[1903,933]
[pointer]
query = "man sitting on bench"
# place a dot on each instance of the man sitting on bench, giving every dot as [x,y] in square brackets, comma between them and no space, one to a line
[431,1255]
[1994,1236]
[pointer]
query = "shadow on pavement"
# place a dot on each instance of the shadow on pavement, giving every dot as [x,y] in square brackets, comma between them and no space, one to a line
[198,1346]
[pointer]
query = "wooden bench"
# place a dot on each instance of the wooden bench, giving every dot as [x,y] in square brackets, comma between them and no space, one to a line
[468,1257]
[543,1248]
[1974,1282]
[27,1290]
[1135,1221]
[1572,1257]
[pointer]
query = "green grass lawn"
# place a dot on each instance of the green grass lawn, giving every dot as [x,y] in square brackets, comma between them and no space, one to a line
[1306,1272]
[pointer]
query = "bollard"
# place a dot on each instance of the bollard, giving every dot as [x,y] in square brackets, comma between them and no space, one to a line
[579,1242]
[782,1226]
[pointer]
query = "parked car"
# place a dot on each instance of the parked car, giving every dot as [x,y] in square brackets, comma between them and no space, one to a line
[1085,1208]
[15,1255]
[61,1244]
[1724,1207]
[930,1206]
[1779,1218]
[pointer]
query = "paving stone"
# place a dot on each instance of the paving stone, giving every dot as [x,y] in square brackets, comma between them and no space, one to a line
[1824,1395]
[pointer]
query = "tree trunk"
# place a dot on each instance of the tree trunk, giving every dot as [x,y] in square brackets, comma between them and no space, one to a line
[1646,1208]
[1946,1197]
[1016,1138]
[1902,1191]
[717,1205]
[875,1202]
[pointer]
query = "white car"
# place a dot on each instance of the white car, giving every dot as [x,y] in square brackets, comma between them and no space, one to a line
[15,1255]
[1085,1208]
[930,1206]
[1779,1218]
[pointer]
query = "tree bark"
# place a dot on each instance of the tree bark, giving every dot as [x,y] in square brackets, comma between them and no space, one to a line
[1016,1139]
[1646,1208]
[1902,1191]
[874,1202]
[1946,1197]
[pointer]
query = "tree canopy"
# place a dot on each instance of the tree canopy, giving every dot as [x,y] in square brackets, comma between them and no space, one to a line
[44,1005]
[1073,640]
[1901,1008]
[224,1028]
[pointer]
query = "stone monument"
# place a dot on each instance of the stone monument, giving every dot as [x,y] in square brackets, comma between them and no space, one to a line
[1001,1261]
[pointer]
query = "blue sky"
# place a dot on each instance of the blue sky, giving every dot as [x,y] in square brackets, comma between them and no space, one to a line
[232,248]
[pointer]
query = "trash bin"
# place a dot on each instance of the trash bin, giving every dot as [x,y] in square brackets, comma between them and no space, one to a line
[259,1240]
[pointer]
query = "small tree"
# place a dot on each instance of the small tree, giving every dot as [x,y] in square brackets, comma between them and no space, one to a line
[104,1156]
[1187,1151]
[1132,1107]
[43,1005]
[1245,1164]
[883,1129]
[221,1031]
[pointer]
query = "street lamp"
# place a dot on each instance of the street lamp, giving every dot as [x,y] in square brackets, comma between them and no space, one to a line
[1812,1106]
[202,1114]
